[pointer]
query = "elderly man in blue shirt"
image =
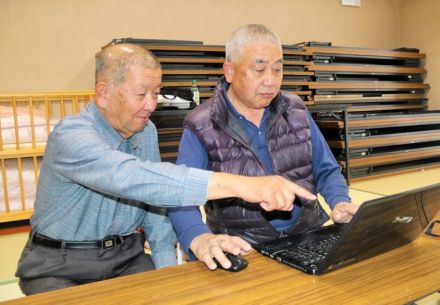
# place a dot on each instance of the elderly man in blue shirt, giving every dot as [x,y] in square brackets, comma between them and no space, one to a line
[250,127]
[101,179]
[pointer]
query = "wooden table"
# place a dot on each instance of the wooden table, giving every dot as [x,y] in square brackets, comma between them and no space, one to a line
[397,277]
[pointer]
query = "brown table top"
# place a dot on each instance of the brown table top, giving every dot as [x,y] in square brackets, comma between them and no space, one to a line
[397,277]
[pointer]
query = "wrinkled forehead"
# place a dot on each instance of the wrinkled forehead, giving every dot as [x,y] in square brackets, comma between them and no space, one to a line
[261,53]
[140,75]
[261,61]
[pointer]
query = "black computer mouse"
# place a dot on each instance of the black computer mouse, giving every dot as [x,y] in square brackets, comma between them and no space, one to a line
[238,263]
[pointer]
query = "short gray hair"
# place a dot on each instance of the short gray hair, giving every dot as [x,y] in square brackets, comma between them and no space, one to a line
[113,61]
[245,34]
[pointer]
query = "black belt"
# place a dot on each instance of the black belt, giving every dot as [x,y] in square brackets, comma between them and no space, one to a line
[106,243]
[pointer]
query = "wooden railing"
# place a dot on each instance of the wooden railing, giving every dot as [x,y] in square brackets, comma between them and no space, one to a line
[26,122]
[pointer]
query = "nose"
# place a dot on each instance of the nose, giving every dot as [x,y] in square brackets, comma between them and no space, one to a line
[270,78]
[150,102]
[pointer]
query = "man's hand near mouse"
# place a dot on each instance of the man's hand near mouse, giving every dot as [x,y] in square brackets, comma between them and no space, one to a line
[207,246]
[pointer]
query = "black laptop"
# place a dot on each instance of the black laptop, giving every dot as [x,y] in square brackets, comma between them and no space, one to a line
[380,225]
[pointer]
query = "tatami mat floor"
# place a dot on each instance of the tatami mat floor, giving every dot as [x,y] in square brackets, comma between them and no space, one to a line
[9,290]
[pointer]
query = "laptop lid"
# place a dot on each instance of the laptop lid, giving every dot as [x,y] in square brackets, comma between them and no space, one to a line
[380,225]
[383,224]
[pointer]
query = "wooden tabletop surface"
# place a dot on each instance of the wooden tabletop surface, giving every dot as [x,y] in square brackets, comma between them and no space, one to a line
[397,277]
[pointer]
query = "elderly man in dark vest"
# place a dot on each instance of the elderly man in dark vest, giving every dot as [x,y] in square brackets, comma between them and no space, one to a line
[250,127]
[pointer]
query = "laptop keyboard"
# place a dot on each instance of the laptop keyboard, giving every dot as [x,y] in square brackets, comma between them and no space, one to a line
[323,246]
[304,254]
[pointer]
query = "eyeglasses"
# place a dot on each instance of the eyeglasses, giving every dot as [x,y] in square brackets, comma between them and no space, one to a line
[430,229]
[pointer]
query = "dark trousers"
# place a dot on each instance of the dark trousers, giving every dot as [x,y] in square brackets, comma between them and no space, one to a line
[42,268]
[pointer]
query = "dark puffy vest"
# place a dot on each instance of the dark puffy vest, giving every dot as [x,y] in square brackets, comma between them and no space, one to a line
[229,150]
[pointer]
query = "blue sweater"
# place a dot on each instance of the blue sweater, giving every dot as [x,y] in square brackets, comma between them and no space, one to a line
[187,221]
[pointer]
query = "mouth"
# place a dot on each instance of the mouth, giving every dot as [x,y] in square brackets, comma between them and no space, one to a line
[267,95]
[144,118]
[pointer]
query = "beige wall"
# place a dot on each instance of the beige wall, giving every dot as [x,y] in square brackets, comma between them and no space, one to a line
[49,44]
[419,27]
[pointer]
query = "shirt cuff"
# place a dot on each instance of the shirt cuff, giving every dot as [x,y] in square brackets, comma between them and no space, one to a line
[195,187]
[188,236]
[337,199]
[165,258]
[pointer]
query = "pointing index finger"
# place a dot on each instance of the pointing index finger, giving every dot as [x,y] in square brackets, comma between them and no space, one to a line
[302,192]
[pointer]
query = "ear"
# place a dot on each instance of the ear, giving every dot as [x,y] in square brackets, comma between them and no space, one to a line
[102,92]
[228,71]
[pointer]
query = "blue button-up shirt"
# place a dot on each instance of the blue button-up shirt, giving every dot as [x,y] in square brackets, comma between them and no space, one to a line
[330,183]
[94,183]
